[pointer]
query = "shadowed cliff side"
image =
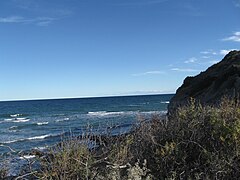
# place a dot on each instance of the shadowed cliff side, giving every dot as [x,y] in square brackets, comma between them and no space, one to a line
[221,79]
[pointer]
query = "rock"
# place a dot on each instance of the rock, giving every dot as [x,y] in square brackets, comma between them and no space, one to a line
[221,79]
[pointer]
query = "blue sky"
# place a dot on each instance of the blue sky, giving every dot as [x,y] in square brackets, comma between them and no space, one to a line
[79,48]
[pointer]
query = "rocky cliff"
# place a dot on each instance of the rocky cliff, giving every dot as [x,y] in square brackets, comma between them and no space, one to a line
[221,79]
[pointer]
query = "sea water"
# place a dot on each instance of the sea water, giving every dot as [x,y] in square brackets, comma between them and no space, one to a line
[37,124]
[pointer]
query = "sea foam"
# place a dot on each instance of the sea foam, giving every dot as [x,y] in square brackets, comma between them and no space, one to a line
[27,157]
[28,139]
[61,120]
[15,115]
[165,102]
[19,120]
[104,113]
[42,123]
[39,137]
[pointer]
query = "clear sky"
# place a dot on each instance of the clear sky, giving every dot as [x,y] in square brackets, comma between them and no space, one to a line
[79,48]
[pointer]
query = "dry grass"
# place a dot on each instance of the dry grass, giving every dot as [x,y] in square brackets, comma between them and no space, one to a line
[70,159]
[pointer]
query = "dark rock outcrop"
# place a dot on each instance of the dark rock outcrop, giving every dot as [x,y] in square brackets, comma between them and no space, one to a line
[221,79]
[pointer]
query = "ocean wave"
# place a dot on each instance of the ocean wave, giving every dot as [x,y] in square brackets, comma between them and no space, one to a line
[41,148]
[13,127]
[41,137]
[165,102]
[11,141]
[8,119]
[19,120]
[61,120]
[42,123]
[154,112]
[15,115]
[127,113]
[96,112]
[105,113]
[27,157]
[23,126]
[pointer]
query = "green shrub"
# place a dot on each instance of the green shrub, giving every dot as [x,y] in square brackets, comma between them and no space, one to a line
[198,142]
[205,142]
[69,160]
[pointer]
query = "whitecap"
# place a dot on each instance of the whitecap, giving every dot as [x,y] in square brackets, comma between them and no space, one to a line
[12,141]
[97,112]
[115,113]
[41,147]
[15,115]
[154,112]
[165,102]
[42,123]
[61,120]
[105,113]
[27,157]
[29,139]
[39,137]
[19,120]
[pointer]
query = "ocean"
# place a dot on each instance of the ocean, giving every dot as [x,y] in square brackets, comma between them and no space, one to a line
[37,124]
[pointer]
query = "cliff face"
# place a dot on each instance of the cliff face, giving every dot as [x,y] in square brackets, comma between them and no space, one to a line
[209,86]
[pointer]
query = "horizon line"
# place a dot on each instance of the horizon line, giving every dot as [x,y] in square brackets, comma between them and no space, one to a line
[85,97]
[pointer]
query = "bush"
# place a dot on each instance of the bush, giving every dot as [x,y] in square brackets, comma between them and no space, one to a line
[198,142]
[69,160]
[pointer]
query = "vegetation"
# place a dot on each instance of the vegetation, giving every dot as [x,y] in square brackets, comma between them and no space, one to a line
[68,160]
[197,142]
[3,173]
